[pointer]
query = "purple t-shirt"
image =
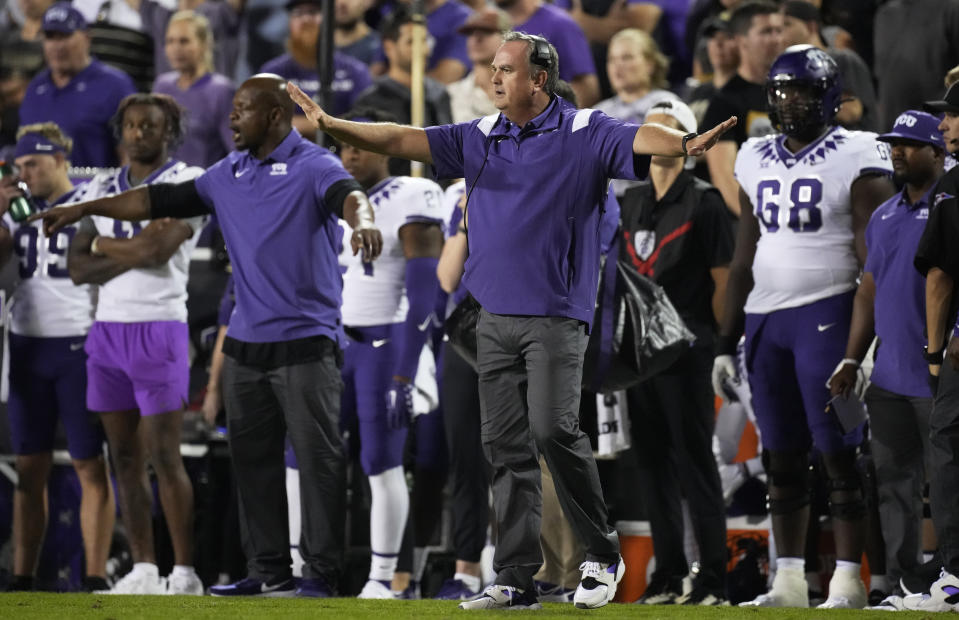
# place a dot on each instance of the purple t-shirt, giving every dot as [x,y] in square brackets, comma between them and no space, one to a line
[350,78]
[892,237]
[82,109]
[224,25]
[282,239]
[442,25]
[534,211]
[208,103]
[575,57]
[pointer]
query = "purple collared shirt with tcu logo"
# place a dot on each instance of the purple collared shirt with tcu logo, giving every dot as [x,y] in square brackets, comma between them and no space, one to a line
[282,238]
[535,199]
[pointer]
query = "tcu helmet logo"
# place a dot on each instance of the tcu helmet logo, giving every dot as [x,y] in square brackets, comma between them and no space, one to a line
[644,241]
[905,119]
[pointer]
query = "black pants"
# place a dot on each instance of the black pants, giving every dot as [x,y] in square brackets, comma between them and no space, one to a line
[262,407]
[530,373]
[672,420]
[468,471]
[944,487]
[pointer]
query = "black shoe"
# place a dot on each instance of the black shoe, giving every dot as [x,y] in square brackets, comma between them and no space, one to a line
[20,583]
[95,584]
[659,591]
[876,597]
[921,579]
[700,595]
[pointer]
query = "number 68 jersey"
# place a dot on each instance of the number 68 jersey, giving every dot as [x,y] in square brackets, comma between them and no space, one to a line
[801,200]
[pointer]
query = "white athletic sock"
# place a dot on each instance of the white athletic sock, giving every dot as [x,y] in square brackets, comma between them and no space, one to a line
[791,564]
[389,507]
[470,581]
[146,568]
[851,568]
[180,570]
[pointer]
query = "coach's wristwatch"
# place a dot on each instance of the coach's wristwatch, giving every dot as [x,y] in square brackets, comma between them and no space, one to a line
[686,138]
[933,358]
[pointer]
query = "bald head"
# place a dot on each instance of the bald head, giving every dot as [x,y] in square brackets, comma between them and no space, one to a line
[269,92]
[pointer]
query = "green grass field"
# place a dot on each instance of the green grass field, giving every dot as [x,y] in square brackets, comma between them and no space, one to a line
[69,606]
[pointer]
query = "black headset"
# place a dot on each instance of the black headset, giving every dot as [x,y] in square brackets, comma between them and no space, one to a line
[540,55]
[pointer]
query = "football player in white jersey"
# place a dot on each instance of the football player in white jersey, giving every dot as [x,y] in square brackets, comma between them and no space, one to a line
[50,317]
[387,314]
[138,346]
[807,194]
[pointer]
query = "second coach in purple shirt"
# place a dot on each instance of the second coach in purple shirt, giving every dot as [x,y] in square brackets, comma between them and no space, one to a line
[536,177]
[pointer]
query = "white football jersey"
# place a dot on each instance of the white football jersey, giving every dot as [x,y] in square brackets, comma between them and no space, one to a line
[46,303]
[147,294]
[375,293]
[802,201]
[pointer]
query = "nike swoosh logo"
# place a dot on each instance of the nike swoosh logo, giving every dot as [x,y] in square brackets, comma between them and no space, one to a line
[76,346]
[265,588]
[240,173]
[823,328]
[886,216]
[425,324]
[379,343]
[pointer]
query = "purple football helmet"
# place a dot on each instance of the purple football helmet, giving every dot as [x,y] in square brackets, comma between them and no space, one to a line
[803,90]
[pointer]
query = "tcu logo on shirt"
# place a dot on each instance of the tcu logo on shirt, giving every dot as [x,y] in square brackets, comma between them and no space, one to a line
[905,119]
[278,169]
[645,242]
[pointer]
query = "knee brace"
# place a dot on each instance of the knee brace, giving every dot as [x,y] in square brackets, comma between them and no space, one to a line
[788,474]
[846,499]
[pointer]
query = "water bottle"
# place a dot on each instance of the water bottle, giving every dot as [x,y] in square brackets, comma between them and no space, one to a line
[20,207]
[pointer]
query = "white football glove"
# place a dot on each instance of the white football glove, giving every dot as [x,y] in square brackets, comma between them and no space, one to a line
[724,369]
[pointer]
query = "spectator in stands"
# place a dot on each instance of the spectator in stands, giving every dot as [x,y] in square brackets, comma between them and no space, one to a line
[803,25]
[352,34]
[77,92]
[206,96]
[13,88]
[50,317]
[575,61]
[722,52]
[391,92]
[21,35]
[472,97]
[139,359]
[916,42]
[298,65]
[757,27]
[223,21]
[889,304]
[672,414]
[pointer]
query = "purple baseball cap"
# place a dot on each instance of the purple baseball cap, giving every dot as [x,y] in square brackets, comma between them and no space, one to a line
[63,18]
[917,126]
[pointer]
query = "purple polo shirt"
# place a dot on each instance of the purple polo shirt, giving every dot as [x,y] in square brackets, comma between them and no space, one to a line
[282,239]
[575,57]
[534,211]
[350,78]
[82,109]
[892,237]
[208,103]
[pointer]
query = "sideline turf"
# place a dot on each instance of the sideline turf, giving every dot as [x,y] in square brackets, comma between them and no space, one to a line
[16,606]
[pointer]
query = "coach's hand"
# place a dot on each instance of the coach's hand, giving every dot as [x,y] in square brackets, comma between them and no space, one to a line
[310,108]
[706,140]
[56,218]
[399,403]
[370,240]
[843,379]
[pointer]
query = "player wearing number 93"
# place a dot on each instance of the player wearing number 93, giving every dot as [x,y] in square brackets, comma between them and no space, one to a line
[807,194]
[48,378]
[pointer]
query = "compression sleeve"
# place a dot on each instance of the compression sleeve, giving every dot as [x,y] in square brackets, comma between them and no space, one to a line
[179,200]
[410,336]
[336,195]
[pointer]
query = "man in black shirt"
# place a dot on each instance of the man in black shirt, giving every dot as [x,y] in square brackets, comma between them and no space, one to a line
[677,231]
[757,26]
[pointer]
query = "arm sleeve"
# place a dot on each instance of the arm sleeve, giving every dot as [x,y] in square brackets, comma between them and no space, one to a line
[874,158]
[336,195]
[179,200]
[446,149]
[612,140]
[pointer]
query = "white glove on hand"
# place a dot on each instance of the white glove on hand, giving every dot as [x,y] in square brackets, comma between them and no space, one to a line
[724,369]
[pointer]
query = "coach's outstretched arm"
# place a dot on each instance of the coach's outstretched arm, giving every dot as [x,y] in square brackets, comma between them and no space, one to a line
[132,205]
[656,139]
[390,139]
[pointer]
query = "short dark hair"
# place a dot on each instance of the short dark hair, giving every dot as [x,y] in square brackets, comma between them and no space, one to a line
[172,112]
[802,10]
[741,19]
[390,28]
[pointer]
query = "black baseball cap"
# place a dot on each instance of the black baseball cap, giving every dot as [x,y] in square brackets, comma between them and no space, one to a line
[719,23]
[291,4]
[949,103]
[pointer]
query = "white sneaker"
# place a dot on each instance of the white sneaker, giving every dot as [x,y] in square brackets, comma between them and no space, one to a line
[943,595]
[598,586]
[137,582]
[189,585]
[789,589]
[502,597]
[376,589]
[891,603]
[845,592]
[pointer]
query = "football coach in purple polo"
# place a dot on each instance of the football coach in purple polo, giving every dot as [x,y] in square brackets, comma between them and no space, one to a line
[536,177]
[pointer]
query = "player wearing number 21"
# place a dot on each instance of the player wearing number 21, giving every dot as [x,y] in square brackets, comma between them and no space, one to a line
[807,194]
